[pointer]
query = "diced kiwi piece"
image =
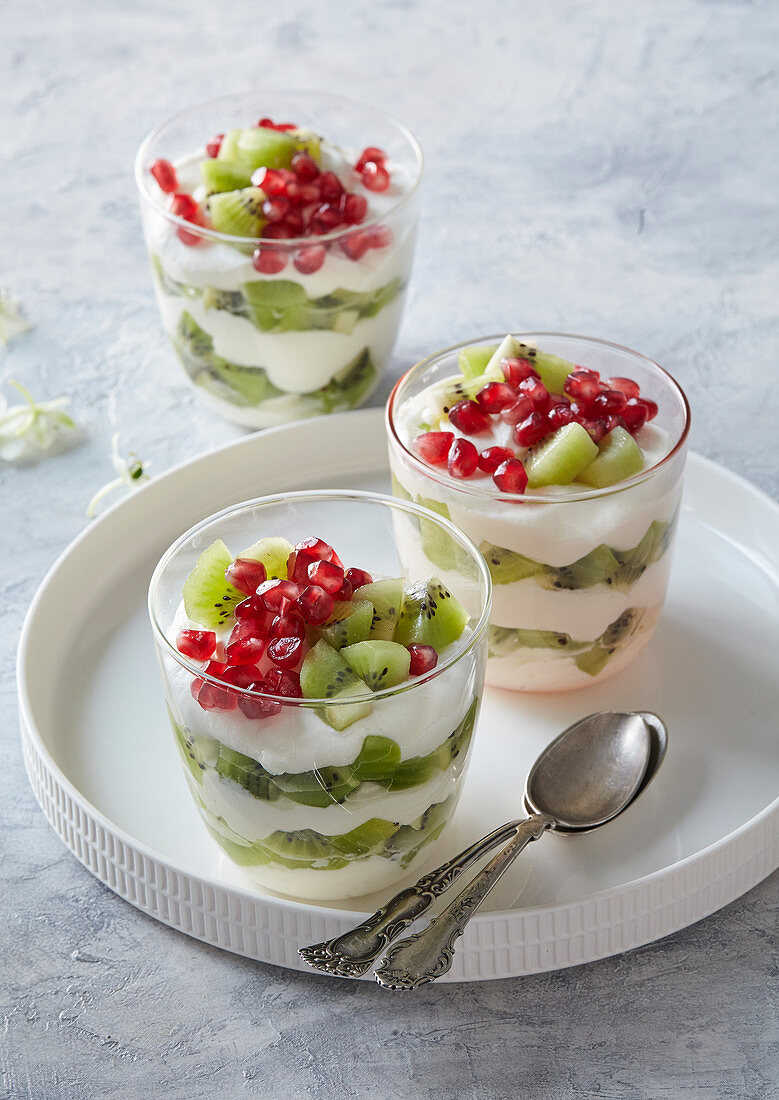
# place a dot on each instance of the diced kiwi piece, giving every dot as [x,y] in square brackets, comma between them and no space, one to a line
[378,760]
[473,361]
[309,142]
[224,175]
[261,147]
[430,615]
[238,213]
[192,339]
[324,674]
[616,634]
[600,566]
[365,838]
[275,293]
[508,348]
[504,640]
[559,458]
[349,623]
[633,563]
[507,566]
[379,664]
[320,788]
[228,148]
[619,458]
[209,599]
[552,368]
[386,598]
[273,552]
[198,753]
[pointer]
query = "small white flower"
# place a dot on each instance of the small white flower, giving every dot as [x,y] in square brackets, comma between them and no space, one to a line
[29,429]
[12,323]
[130,471]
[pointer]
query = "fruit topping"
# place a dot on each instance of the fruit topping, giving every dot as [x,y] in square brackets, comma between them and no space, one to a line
[379,664]
[510,476]
[423,659]
[434,447]
[619,458]
[245,651]
[165,175]
[358,577]
[492,457]
[561,457]
[286,652]
[316,604]
[496,396]
[246,575]
[530,430]
[197,644]
[470,418]
[463,458]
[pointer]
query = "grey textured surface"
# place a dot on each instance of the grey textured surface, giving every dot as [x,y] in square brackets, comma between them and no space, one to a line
[597,167]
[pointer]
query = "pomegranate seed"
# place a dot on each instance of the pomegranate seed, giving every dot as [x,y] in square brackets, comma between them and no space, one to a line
[372,154]
[358,577]
[380,236]
[615,422]
[354,208]
[521,409]
[517,370]
[242,676]
[245,651]
[272,594]
[596,429]
[244,629]
[356,245]
[345,592]
[255,707]
[318,549]
[492,457]
[273,181]
[275,209]
[308,260]
[316,603]
[305,167]
[463,458]
[531,430]
[609,401]
[183,206]
[583,385]
[246,575]
[297,566]
[650,406]
[625,385]
[295,224]
[326,575]
[510,476]
[535,389]
[305,193]
[187,237]
[559,415]
[634,414]
[214,145]
[468,417]
[213,697]
[285,652]
[287,626]
[496,396]
[424,658]
[219,653]
[328,215]
[280,681]
[253,611]
[433,447]
[197,644]
[165,175]
[266,123]
[579,411]
[278,231]
[330,187]
[269,261]
[375,177]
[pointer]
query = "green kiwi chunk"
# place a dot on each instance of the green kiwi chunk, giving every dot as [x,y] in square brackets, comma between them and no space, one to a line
[238,213]
[505,640]
[635,562]
[209,599]
[614,637]
[324,674]
[385,598]
[224,175]
[198,753]
[349,623]
[379,759]
[507,566]
[473,361]
[600,566]
[260,147]
[561,457]
[619,458]
[430,615]
[273,552]
[379,664]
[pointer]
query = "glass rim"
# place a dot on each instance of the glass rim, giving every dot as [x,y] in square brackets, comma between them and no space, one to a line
[481,493]
[311,495]
[145,191]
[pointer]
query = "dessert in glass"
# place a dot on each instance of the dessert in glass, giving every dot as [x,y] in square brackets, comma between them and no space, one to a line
[280,229]
[322,691]
[562,458]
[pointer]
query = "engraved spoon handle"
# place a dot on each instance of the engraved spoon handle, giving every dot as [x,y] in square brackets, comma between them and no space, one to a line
[352,953]
[428,954]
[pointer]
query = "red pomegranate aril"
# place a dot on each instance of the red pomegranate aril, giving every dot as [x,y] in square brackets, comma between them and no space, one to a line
[295,223]
[254,706]
[424,658]
[190,239]
[354,208]
[278,231]
[492,457]
[245,651]
[433,447]
[358,577]
[211,697]
[214,145]
[310,259]
[380,236]
[370,153]
[634,414]
[345,592]
[329,215]
[287,626]
[269,261]
[305,167]
[275,209]
[242,676]
[253,611]
[611,401]
[596,429]
[330,187]
[615,422]
[197,644]
[375,177]
[165,175]
[510,476]
[184,206]
[496,396]
[521,409]
[315,603]
[318,549]
[272,594]
[532,429]
[463,458]
[285,652]
[266,123]
[356,245]
[246,575]
[560,415]
[624,385]
[219,653]
[327,575]
[650,406]
[246,628]
[297,566]
[535,389]
[273,181]
[517,370]
[468,417]
[583,385]
[281,681]
[308,193]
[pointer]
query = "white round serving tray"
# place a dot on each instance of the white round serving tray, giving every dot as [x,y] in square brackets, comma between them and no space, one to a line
[102,762]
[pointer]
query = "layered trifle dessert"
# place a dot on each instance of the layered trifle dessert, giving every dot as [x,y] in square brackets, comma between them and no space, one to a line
[562,458]
[323,713]
[280,232]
